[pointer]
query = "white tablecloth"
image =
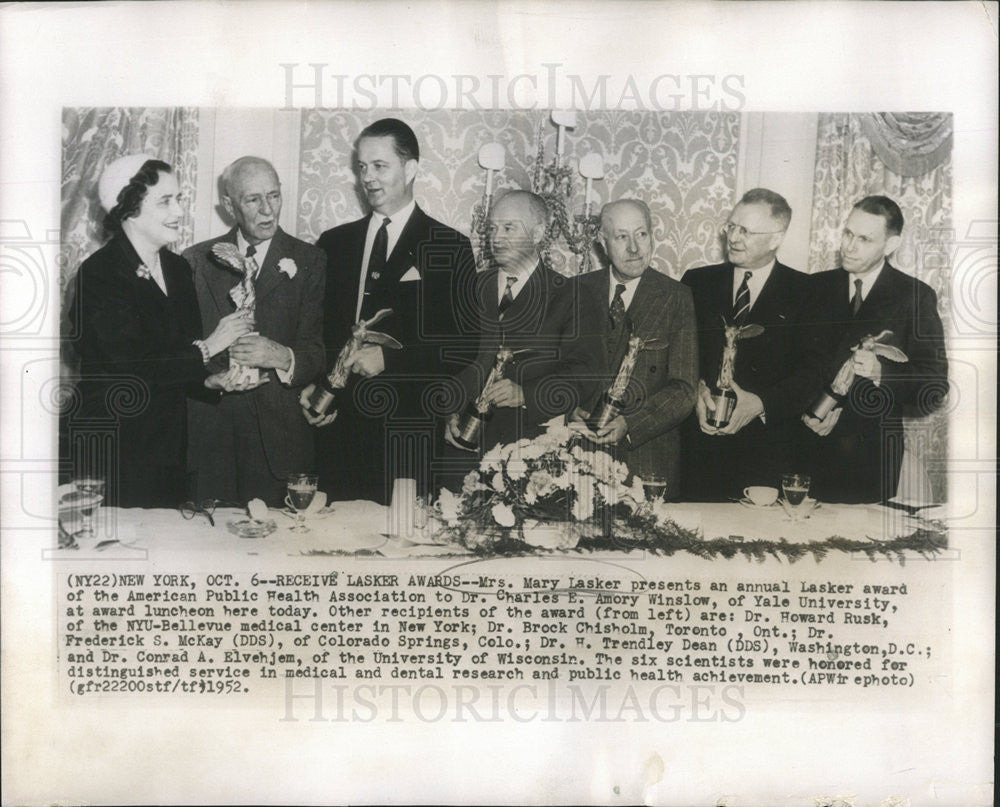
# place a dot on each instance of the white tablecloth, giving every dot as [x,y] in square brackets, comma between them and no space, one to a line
[363,526]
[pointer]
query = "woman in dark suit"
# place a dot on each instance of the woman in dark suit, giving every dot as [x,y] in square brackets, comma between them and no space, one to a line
[136,316]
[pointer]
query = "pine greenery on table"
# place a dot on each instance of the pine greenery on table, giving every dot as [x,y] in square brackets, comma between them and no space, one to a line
[552,493]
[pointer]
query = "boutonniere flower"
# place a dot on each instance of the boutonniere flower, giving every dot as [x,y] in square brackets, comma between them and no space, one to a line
[229,256]
[143,273]
[287,265]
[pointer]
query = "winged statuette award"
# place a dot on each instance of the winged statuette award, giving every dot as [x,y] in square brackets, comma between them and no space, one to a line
[324,396]
[832,396]
[477,412]
[722,393]
[613,400]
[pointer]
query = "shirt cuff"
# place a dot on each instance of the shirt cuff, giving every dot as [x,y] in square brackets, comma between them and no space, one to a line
[285,376]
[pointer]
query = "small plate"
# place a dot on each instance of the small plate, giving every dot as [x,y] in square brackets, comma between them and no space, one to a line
[248,528]
[754,506]
[323,512]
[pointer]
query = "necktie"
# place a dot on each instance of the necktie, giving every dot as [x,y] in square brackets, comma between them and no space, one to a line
[250,270]
[856,302]
[616,313]
[508,299]
[741,309]
[252,267]
[376,261]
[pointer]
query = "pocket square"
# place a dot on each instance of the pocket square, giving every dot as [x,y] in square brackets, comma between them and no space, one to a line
[411,275]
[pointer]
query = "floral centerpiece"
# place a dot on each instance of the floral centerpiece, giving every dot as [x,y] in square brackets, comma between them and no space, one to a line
[548,492]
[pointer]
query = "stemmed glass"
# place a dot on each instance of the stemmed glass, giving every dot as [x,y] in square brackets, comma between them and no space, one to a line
[654,487]
[796,490]
[301,490]
[93,486]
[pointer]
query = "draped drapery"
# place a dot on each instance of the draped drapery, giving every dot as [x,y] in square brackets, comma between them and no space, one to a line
[682,164]
[906,157]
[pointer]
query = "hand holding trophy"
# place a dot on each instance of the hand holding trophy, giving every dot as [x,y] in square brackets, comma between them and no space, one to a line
[323,397]
[832,396]
[722,393]
[613,400]
[246,301]
[468,431]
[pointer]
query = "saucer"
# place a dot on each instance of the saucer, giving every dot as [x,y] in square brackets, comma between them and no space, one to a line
[754,506]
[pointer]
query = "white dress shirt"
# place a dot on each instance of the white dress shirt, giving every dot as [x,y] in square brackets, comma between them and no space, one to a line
[867,281]
[758,277]
[630,286]
[397,221]
[516,286]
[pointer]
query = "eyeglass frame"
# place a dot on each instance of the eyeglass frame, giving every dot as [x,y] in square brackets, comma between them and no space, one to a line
[206,507]
[729,226]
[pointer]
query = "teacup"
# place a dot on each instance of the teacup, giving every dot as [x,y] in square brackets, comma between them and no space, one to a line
[761,495]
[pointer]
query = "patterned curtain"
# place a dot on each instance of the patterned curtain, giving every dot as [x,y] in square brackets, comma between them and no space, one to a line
[848,168]
[682,164]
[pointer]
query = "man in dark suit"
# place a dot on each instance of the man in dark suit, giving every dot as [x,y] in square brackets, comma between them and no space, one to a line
[244,445]
[857,449]
[776,373]
[637,300]
[537,313]
[396,257]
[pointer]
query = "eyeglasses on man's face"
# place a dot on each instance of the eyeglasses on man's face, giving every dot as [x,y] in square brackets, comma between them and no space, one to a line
[733,230]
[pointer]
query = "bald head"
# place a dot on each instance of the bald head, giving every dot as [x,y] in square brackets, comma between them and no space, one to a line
[624,207]
[252,196]
[627,237]
[518,222]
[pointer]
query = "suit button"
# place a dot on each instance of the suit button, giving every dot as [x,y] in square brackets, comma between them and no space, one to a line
[652,369]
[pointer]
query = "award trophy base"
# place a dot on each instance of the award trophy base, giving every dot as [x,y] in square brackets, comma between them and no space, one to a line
[825,404]
[607,410]
[470,426]
[323,399]
[725,403]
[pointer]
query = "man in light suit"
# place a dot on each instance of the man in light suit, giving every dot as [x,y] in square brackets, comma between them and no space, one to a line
[396,257]
[637,300]
[856,452]
[244,445]
[525,306]
[776,374]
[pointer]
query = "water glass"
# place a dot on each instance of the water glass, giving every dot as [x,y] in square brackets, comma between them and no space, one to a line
[796,490]
[301,490]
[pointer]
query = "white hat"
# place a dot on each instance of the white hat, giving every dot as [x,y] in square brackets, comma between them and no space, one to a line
[116,176]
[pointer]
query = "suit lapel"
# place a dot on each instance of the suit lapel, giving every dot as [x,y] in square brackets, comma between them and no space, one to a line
[269,276]
[646,302]
[403,254]
[724,294]
[769,304]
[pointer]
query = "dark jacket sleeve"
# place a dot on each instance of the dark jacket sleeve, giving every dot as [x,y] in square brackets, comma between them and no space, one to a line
[310,354]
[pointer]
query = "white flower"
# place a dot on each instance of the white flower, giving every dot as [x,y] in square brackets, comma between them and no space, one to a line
[471,483]
[448,504]
[287,265]
[503,515]
[142,272]
[516,469]
[497,482]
